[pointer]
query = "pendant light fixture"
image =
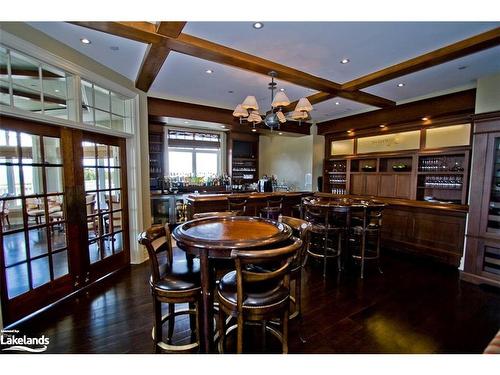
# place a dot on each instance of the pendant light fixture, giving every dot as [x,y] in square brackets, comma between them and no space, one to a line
[249,109]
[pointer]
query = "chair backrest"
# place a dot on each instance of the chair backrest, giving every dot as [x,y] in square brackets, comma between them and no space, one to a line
[275,201]
[157,240]
[246,275]
[301,229]
[237,204]
[90,204]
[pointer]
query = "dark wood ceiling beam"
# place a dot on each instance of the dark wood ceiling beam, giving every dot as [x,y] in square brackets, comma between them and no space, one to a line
[444,105]
[160,109]
[156,55]
[143,32]
[313,99]
[451,52]
[197,47]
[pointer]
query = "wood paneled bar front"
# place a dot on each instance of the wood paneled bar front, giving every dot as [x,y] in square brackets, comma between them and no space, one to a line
[422,228]
[255,201]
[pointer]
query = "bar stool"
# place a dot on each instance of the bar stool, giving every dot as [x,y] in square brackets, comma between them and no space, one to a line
[237,204]
[367,232]
[172,282]
[255,296]
[327,222]
[274,205]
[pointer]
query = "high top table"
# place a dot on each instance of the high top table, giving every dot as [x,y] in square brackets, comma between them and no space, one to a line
[214,238]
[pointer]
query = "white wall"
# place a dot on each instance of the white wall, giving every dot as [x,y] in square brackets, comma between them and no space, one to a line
[289,158]
[488,94]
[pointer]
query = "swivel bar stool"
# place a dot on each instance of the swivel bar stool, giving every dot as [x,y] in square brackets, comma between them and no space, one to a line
[237,204]
[274,205]
[365,236]
[172,282]
[327,223]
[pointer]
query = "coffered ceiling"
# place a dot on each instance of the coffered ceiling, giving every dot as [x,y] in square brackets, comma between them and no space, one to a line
[311,47]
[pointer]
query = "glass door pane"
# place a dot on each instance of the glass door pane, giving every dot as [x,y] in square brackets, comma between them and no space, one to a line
[103,199]
[494,203]
[32,212]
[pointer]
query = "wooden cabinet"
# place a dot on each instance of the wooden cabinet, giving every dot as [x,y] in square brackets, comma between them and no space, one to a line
[425,231]
[243,154]
[482,260]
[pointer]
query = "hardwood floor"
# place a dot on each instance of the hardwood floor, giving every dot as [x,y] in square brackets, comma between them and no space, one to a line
[415,307]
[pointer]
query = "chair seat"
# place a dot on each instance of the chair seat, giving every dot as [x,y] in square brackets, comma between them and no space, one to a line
[36,212]
[258,295]
[180,277]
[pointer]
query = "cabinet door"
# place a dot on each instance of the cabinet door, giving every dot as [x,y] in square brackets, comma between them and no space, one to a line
[387,185]
[403,186]
[371,184]
[490,220]
[357,184]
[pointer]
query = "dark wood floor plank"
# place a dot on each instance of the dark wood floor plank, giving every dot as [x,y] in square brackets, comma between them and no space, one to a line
[414,307]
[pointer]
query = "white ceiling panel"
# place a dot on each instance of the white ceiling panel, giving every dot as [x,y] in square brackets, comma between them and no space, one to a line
[125,60]
[456,73]
[184,78]
[329,109]
[318,47]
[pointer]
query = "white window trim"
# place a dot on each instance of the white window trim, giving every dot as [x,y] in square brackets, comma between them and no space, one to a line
[133,143]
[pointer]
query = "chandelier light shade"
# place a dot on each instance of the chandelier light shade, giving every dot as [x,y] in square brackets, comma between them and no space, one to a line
[303,105]
[239,111]
[281,117]
[299,115]
[274,117]
[254,117]
[250,103]
[280,100]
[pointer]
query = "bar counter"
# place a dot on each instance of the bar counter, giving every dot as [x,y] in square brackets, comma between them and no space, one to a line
[218,202]
[431,229]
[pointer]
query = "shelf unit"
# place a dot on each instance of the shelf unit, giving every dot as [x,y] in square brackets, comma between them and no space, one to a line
[244,150]
[156,156]
[482,257]
[406,175]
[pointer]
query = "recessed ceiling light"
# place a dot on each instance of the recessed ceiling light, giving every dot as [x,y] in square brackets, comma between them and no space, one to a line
[230,92]
[114,48]
[186,122]
[282,89]
[401,84]
[345,61]
[85,41]
[337,103]
[254,130]
[258,25]
[382,126]
[349,131]
[425,118]
[280,133]
[56,90]
[462,67]
[209,71]
[223,126]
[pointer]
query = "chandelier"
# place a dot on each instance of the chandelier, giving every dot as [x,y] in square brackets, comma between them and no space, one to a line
[249,109]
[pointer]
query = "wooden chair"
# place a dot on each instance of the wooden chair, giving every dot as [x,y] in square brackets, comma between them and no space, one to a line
[237,204]
[92,221]
[327,223]
[368,230]
[172,281]
[302,230]
[250,295]
[35,209]
[4,212]
[274,205]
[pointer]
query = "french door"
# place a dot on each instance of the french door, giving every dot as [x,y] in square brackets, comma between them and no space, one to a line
[47,252]
[104,176]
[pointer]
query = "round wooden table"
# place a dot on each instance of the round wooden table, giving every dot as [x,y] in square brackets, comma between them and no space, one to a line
[214,238]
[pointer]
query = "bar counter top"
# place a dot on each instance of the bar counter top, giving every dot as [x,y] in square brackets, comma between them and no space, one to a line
[449,207]
[249,196]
